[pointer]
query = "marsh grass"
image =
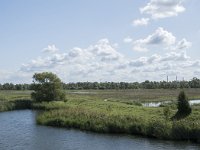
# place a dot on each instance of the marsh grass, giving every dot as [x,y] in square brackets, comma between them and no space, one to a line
[113,117]
[119,113]
[15,105]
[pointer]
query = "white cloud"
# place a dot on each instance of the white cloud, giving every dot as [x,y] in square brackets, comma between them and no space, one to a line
[160,36]
[163,8]
[101,52]
[183,44]
[138,46]
[128,40]
[142,61]
[105,50]
[50,49]
[40,63]
[158,59]
[102,62]
[173,56]
[196,73]
[141,22]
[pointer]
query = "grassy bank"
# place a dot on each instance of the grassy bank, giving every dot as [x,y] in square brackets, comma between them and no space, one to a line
[14,100]
[15,105]
[114,117]
[111,111]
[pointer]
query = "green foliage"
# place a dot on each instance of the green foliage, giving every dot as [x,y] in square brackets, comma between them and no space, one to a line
[47,87]
[159,129]
[137,120]
[184,108]
[15,105]
[194,83]
[89,111]
[167,112]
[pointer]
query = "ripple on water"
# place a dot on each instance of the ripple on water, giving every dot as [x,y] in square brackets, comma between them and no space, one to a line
[18,131]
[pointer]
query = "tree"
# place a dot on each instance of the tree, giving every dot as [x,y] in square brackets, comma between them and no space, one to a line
[47,87]
[183,106]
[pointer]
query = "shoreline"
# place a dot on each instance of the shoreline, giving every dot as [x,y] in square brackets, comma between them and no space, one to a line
[65,115]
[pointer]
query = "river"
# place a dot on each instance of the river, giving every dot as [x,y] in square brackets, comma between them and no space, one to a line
[19,131]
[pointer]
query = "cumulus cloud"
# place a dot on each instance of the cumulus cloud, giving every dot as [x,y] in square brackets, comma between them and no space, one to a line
[139,62]
[183,44]
[163,8]
[160,36]
[105,50]
[158,59]
[51,49]
[173,56]
[40,63]
[102,62]
[100,52]
[141,22]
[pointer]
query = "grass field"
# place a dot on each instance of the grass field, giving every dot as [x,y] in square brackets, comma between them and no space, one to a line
[112,111]
[136,95]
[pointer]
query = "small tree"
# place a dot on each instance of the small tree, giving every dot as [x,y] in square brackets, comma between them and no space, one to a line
[47,87]
[183,106]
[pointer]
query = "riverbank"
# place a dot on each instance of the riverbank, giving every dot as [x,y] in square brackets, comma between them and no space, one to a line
[93,113]
[20,132]
[122,118]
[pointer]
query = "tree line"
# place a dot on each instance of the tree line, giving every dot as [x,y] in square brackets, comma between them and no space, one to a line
[194,83]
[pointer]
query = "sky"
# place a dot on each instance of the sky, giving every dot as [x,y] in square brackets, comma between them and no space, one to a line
[102,40]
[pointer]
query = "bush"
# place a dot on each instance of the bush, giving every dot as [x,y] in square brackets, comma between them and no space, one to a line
[47,87]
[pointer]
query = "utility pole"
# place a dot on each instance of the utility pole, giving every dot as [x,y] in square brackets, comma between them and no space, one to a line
[167,78]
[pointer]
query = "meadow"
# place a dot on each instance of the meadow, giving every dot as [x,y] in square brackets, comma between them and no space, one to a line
[113,111]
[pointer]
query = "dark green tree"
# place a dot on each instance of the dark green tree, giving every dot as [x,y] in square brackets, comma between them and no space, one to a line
[183,106]
[47,87]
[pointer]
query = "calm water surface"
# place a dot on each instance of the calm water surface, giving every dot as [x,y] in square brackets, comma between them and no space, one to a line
[157,104]
[18,131]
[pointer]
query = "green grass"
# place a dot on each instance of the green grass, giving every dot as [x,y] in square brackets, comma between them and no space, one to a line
[134,95]
[112,111]
[121,118]
[14,100]
[13,95]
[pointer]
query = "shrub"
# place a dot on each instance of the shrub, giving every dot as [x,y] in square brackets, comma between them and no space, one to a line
[47,87]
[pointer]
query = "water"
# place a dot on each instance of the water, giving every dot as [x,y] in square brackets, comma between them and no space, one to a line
[154,104]
[192,102]
[18,131]
[157,104]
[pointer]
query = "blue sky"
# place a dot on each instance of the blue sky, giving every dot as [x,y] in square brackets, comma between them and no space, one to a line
[124,40]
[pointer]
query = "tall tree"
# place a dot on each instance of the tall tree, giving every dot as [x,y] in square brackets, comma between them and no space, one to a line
[47,87]
[183,106]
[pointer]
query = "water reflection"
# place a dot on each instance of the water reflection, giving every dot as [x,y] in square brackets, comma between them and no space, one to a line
[19,131]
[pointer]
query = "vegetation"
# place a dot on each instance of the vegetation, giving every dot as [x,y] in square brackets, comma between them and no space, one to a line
[114,117]
[183,106]
[12,100]
[114,111]
[167,112]
[47,87]
[194,83]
